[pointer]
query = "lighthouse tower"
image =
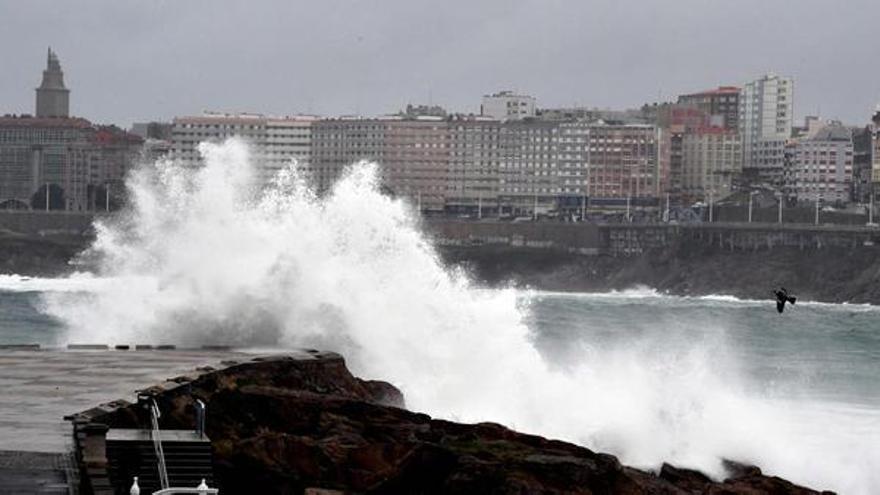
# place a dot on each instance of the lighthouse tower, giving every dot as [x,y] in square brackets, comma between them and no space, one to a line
[53,99]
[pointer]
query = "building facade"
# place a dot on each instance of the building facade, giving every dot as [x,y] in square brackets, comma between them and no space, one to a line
[338,143]
[71,160]
[413,155]
[862,155]
[710,163]
[875,148]
[765,123]
[56,162]
[507,105]
[824,165]
[475,156]
[480,167]
[624,161]
[528,175]
[414,161]
[275,142]
[721,105]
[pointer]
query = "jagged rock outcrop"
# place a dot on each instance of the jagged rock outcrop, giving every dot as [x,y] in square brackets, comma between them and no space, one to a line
[283,425]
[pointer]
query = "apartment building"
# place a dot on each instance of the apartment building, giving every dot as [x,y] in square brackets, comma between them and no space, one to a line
[721,105]
[624,161]
[711,160]
[413,154]
[507,105]
[414,162]
[474,165]
[72,159]
[275,142]
[765,123]
[875,147]
[528,178]
[824,165]
[338,143]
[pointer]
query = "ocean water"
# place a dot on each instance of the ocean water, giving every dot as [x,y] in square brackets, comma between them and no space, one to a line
[208,256]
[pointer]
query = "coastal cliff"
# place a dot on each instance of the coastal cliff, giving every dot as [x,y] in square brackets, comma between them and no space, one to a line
[284,425]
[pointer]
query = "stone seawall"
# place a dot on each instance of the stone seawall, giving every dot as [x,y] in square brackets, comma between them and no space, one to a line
[44,223]
[637,239]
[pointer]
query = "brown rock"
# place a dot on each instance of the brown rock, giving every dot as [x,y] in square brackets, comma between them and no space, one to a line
[285,426]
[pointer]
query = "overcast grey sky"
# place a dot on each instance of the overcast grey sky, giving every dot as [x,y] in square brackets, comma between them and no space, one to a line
[128,61]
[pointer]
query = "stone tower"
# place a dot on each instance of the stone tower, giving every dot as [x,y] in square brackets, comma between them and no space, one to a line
[53,99]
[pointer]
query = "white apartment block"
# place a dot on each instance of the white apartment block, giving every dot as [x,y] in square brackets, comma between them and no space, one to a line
[528,176]
[766,112]
[824,165]
[507,105]
[275,142]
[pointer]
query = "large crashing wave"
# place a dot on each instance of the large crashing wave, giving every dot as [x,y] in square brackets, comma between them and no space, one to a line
[205,257]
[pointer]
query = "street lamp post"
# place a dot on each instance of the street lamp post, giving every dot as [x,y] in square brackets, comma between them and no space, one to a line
[816,221]
[751,196]
[584,208]
[780,207]
[666,216]
[711,219]
[535,208]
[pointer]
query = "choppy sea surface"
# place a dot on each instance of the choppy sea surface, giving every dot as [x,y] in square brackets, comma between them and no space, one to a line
[811,374]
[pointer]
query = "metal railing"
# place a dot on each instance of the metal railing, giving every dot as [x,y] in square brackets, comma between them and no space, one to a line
[157,446]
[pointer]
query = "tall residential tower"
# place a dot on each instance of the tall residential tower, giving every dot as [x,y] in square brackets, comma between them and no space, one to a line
[765,121]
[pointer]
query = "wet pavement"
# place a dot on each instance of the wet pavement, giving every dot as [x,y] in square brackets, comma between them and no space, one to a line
[41,387]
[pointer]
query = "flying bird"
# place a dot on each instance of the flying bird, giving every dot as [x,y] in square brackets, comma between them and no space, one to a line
[782,297]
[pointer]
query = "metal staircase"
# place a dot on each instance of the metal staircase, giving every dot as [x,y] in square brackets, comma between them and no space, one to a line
[162,460]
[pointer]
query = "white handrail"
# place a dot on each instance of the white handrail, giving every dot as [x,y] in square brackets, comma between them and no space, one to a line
[157,446]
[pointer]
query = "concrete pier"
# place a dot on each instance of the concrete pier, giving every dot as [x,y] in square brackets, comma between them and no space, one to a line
[42,387]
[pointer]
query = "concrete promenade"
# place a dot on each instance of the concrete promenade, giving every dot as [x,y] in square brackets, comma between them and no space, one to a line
[636,238]
[40,387]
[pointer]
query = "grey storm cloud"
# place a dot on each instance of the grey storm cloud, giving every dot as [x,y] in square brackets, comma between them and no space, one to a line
[141,60]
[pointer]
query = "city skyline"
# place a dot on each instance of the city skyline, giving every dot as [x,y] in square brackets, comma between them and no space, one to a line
[155,60]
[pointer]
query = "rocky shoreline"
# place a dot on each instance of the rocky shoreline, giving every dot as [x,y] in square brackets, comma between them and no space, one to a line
[831,275]
[285,425]
[39,256]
